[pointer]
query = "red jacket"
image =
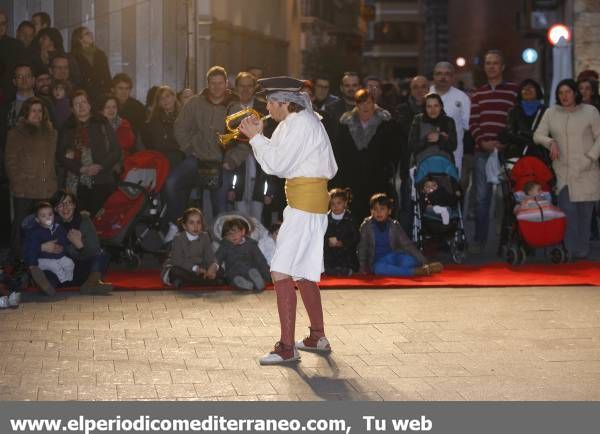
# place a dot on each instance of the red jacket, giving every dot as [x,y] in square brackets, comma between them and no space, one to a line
[126,137]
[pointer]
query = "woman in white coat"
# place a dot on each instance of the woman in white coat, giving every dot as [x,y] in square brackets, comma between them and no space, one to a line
[571,132]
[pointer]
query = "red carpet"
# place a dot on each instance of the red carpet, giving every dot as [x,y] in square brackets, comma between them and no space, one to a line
[499,274]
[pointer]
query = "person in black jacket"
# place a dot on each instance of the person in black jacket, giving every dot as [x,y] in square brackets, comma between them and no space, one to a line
[432,128]
[523,119]
[92,63]
[158,132]
[342,237]
[129,108]
[365,152]
[88,150]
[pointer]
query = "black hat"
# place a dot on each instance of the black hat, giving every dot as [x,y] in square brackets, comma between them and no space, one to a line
[274,84]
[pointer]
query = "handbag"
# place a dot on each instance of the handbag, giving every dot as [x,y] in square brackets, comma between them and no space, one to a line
[210,174]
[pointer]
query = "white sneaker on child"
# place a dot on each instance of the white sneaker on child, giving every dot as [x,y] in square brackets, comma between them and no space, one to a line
[14,299]
[4,302]
[171,233]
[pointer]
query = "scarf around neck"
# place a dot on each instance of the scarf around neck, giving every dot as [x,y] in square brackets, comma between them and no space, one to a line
[363,135]
[530,107]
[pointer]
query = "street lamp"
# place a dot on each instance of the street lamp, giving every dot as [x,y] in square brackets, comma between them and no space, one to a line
[460,62]
[558,31]
[529,55]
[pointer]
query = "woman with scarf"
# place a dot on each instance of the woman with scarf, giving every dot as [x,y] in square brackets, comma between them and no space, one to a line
[92,63]
[365,153]
[89,151]
[158,131]
[109,108]
[432,128]
[522,121]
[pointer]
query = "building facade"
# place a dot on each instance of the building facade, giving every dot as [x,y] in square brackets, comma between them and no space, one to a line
[174,42]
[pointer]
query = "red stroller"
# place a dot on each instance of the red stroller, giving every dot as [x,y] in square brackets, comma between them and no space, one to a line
[129,223]
[541,227]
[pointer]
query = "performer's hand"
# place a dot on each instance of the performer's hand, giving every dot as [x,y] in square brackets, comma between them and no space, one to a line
[251,126]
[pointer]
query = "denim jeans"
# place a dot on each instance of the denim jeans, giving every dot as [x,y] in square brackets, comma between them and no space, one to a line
[579,219]
[180,183]
[396,264]
[483,198]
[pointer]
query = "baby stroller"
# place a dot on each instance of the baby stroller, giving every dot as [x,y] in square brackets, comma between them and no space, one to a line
[129,223]
[541,227]
[436,165]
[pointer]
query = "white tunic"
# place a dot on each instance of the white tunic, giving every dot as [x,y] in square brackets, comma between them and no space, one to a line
[457,105]
[299,147]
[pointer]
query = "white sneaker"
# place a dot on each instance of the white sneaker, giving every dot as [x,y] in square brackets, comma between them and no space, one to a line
[14,299]
[4,302]
[276,356]
[322,345]
[171,233]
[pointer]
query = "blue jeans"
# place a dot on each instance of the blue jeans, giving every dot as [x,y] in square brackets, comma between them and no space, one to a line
[396,264]
[183,179]
[483,198]
[579,218]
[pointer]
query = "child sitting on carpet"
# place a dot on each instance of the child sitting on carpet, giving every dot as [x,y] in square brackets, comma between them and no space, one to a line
[384,247]
[191,260]
[341,238]
[244,264]
[45,266]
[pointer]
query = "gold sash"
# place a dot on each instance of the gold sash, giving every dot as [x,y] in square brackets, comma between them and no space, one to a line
[307,194]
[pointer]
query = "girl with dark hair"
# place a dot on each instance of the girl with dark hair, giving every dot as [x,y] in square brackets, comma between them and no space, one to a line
[342,237]
[588,88]
[571,132]
[88,150]
[523,119]
[191,260]
[158,131]
[29,159]
[92,63]
[109,108]
[432,128]
[91,262]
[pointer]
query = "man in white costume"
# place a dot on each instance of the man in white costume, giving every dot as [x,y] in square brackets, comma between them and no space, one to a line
[457,104]
[299,151]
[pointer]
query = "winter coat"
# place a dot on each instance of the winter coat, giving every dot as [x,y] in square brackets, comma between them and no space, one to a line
[96,78]
[91,243]
[423,125]
[159,135]
[239,259]
[103,143]
[37,235]
[518,133]
[186,254]
[365,167]
[404,115]
[578,136]
[344,230]
[30,161]
[199,124]
[135,112]
[399,241]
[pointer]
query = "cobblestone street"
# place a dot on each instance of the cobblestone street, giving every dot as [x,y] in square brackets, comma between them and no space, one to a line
[422,344]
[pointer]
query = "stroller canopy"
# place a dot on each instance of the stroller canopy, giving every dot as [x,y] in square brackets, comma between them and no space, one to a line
[438,164]
[531,169]
[148,169]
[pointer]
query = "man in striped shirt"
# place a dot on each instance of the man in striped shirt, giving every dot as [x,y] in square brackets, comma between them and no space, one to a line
[489,110]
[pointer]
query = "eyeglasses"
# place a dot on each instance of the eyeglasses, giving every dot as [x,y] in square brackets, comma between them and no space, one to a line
[65,204]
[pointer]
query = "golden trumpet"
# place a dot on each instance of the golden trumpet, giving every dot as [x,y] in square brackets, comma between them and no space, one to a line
[235,133]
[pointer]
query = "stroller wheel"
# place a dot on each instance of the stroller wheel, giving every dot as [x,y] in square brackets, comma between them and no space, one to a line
[132,259]
[522,255]
[514,255]
[558,255]
[458,247]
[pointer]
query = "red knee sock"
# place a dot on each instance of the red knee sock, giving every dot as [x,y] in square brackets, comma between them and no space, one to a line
[286,305]
[311,296]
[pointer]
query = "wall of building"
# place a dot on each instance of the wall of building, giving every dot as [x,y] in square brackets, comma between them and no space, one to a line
[586,35]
